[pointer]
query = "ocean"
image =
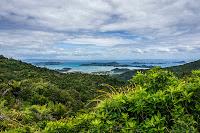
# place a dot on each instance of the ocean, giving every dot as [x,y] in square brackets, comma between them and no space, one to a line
[76,65]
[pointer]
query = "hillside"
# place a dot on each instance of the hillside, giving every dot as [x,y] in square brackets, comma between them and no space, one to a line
[80,86]
[156,102]
[185,69]
[40,100]
[25,88]
[181,70]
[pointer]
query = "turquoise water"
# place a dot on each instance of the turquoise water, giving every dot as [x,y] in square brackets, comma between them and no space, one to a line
[75,65]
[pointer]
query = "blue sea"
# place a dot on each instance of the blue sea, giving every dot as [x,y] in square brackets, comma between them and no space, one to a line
[75,65]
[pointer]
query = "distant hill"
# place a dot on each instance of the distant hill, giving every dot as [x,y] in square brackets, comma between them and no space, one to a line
[78,87]
[114,64]
[185,69]
[181,70]
[126,75]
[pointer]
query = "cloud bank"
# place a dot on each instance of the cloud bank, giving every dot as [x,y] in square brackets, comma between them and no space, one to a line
[100,29]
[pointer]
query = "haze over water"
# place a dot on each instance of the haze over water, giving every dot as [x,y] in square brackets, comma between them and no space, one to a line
[75,65]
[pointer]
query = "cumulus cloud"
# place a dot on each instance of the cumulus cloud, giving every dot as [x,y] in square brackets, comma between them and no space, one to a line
[99,29]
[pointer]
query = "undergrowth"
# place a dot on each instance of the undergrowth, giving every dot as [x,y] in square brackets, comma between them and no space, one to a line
[156,101]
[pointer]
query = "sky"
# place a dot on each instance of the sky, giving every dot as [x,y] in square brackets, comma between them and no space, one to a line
[100,29]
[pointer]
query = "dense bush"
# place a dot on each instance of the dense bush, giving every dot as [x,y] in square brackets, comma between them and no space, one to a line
[173,106]
[154,79]
[32,96]
[40,100]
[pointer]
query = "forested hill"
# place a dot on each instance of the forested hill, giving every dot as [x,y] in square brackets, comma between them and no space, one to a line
[24,87]
[156,102]
[185,69]
[181,70]
[34,100]
[78,87]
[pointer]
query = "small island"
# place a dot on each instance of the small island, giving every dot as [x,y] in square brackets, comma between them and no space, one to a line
[144,66]
[114,64]
[64,69]
[120,70]
[180,62]
[48,63]
[137,63]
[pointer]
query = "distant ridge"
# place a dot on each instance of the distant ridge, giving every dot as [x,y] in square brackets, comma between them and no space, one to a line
[78,88]
[180,70]
[185,69]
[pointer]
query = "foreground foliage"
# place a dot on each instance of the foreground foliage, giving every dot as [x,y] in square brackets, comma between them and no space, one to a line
[39,100]
[32,96]
[159,102]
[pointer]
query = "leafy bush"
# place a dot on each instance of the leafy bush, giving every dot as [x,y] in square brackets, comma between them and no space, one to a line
[33,96]
[155,79]
[172,106]
[40,100]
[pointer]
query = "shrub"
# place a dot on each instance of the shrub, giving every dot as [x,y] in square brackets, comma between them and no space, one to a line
[171,106]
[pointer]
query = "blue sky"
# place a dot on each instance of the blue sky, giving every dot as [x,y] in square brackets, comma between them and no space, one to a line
[100,29]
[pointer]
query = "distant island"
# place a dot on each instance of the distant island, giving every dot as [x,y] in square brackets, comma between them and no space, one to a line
[48,63]
[63,69]
[182,62]
[114,64]
[137,63]
[112,72]
[120,70]
[148,63]
[144,66]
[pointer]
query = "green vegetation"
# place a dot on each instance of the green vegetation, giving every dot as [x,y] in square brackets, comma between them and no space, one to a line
[126,75]
[40,100]
[186,69]
[157,102]
[31,96]
[180,71]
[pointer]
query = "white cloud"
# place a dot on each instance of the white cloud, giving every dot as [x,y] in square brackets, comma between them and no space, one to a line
[62,15]
[33,27]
